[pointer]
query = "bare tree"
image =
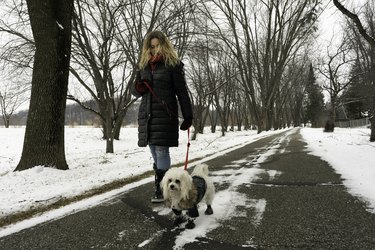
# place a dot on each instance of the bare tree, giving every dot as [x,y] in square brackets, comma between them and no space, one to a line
[335,71]
[99,64]
[197,74]
[17,50]
[11,98]
[224,78]
[44,135]
[368,35]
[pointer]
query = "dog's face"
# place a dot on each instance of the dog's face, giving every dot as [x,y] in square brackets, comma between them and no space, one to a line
[176,183]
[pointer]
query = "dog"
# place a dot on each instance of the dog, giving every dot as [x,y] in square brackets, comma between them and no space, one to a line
[182,191]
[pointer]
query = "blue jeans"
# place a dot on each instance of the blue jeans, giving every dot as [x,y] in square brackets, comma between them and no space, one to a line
[161,156]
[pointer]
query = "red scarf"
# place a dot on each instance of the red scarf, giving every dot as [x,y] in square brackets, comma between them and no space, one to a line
[154,60]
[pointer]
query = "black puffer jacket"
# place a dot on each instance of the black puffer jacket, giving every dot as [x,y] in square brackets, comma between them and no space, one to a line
[158,116]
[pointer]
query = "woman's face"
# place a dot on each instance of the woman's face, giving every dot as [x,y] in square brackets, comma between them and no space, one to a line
[154,46]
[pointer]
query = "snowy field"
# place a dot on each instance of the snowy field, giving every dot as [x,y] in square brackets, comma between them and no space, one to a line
[347,150]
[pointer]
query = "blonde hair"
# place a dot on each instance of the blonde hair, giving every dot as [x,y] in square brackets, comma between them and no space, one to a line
[165,49]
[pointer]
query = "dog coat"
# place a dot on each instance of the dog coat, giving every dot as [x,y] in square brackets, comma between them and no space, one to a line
[201,186]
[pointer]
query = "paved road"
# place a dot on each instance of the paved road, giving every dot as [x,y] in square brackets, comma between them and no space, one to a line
[306,207]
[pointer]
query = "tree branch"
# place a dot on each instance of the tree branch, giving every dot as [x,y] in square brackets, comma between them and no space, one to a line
[355,19]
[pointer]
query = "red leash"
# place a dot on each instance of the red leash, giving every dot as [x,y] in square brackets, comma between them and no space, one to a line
[152,92]
[187,149]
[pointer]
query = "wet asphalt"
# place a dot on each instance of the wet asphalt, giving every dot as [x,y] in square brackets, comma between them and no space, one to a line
[306,207]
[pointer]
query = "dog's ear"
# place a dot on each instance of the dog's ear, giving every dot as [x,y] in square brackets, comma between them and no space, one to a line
[186,185]
[164,187]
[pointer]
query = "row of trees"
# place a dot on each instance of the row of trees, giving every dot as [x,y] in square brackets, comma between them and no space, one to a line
[248,63]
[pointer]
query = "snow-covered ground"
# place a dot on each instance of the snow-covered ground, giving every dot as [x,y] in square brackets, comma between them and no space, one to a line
[347,150]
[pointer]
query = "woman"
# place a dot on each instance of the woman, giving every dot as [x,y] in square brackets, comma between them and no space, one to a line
[160,82]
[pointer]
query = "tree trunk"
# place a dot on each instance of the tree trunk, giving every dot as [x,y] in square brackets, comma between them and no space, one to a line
[194,135]
[109,129]
[264,119]
[118,129]
[372,135]
[44,135]
[6,122]
[213,121]
[108,133]
[260,125]
[199,121]
[330,123]
[118,124]
[269,118]
[239,119]
[203,122]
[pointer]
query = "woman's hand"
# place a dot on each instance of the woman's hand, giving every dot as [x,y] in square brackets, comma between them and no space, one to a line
[141,87]
[186,124]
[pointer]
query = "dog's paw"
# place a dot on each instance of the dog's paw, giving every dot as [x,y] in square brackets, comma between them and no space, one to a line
[209,210]
[190,224]
[193,212]
[178,220]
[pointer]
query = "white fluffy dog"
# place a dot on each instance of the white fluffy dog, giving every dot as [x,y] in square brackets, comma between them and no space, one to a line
[182,191]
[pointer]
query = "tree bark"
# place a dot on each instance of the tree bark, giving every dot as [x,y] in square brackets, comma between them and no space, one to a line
[44,135]
[372,135]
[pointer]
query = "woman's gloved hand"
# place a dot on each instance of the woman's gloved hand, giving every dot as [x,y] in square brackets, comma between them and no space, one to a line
[186,124]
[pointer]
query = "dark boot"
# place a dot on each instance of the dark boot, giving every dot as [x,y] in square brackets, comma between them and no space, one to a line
[159,174]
